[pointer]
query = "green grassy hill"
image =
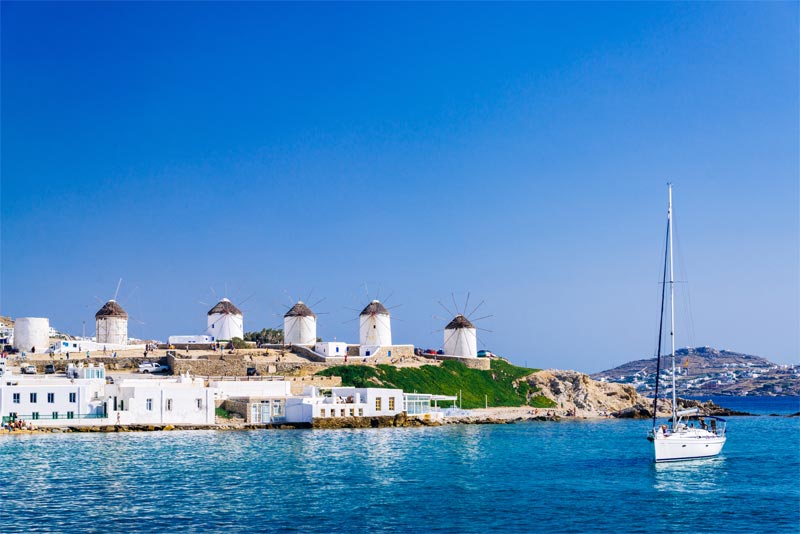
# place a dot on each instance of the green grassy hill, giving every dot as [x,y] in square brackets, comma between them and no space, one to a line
[448,379]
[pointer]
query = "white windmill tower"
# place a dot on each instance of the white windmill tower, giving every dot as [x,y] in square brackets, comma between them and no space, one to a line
[375,328]
[461,334]
[111,324]
[225,321]
[300,325]
[461,338]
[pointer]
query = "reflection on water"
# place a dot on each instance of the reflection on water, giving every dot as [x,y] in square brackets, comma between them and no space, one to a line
[703,476]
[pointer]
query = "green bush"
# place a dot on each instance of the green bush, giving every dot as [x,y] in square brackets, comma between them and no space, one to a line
[475,386]
[239,343]
[222,412]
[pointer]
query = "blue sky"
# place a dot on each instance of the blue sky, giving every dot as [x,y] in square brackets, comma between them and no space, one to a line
[518,152]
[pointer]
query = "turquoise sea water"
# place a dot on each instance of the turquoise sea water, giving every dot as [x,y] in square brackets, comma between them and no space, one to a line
[531,477]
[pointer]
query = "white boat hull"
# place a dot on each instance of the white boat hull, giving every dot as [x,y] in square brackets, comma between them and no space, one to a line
[690,445]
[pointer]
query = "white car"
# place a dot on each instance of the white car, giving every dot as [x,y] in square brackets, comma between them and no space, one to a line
[28,369]
[151,367]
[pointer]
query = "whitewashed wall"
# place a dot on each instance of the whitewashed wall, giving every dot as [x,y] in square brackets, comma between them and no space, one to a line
[225,326]
[32,332]
[461,342]
[375,330]
[111,330]
[300,330]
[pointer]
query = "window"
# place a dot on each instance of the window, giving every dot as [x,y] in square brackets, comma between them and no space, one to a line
[361,412]
[391,403]
[70,415]
[73,397]
[337,349]
[33,397]
[16,398]
[34,415]
[199,403]
[51,398]
[322,412]
[169,405]
[149,405]
[55,415]
[352,412]
[378,404]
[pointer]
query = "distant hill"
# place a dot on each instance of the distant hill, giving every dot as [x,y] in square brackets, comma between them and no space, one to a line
[709,371]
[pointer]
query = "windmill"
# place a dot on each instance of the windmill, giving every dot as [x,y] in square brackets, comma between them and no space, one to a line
[111,322]
[375,328]
[460,334]
[225,321]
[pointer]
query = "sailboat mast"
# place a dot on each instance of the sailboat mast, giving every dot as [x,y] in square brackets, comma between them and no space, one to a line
[672,309]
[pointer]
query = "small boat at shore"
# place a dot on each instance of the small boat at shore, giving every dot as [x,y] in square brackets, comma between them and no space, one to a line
[682,440]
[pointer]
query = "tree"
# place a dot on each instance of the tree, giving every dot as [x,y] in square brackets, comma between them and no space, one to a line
[270,336]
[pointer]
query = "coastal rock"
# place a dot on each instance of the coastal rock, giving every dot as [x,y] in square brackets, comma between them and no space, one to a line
[636,411]
[578,394]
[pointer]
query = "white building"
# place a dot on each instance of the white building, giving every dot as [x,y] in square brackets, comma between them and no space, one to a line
[32,333]
[54,401]
[300,325]
[182,400]
[375,330]
[460,338]
[191,340]
[344,402]
[111,324]
[225,321]
[331,349]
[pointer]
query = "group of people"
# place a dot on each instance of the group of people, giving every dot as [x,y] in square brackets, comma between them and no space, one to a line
[19,424]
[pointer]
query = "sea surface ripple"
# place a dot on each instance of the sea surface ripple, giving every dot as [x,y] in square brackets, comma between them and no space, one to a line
[529,477]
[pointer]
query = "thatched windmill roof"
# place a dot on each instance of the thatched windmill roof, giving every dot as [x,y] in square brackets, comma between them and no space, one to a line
[225,306]
[459,321]
[300,310]
[375,308]
[111,309]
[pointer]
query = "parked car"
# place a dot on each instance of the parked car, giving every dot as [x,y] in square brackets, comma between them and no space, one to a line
[440,351]
[251,371]
[430,351]
[152,367]
[485,354]
[49,369]
[28,369]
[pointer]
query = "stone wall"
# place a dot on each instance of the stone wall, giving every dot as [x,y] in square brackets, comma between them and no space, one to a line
[237,406]
[299,382]
[211,365]
[111,364]
[483,364]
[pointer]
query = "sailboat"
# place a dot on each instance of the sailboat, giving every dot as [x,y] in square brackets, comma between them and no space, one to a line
[687,438]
